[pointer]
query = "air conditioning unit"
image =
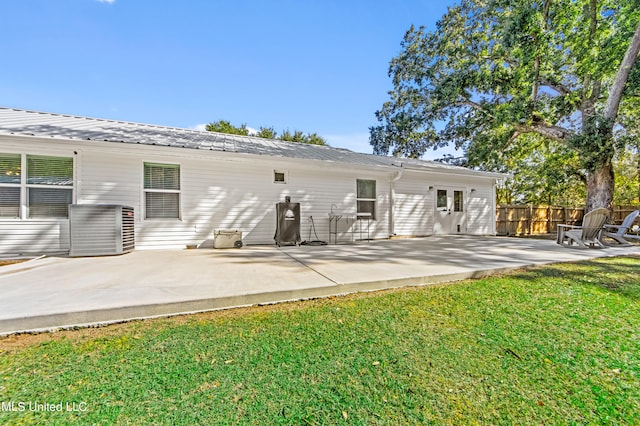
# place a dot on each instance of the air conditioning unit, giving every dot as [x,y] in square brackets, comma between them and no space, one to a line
[100,229]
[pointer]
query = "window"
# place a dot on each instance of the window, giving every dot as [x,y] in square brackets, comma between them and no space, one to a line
[45,182]
[9,202]
[10,180]
[458,203]
[441,200]
[49,186]
[366,199]
[45,202]
[162,191]
[279,176]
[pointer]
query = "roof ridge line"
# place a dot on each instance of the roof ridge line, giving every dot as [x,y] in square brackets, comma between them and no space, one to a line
[162,126]
[108,120]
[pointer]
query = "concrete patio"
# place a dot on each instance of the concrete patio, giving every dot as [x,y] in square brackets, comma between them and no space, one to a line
[55,292]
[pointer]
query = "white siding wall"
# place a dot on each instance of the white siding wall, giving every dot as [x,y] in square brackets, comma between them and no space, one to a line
[33,236]
[226,191]
[413,205]
[229,193]
[109,178]
[481,211]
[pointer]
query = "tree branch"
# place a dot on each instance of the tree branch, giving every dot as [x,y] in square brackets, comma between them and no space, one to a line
[475,105]
[512,62]
[513,137]
[596,91]
[615,95]
[555,86]
[581,176]
[557,133]
[472,104]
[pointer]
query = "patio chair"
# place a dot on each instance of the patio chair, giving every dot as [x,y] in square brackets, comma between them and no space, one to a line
[587,235]
[618,232]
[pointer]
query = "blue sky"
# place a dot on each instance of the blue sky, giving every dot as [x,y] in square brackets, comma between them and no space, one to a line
[315,66]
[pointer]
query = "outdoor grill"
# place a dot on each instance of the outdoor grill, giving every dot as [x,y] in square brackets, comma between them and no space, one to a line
[287,223]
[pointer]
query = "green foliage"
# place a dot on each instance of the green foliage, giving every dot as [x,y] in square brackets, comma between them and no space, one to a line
[315,139]
[494,71]
[594,143]
[627,172]
[223,126]
[551,345]
[544,172]
[267,133]
[298,136]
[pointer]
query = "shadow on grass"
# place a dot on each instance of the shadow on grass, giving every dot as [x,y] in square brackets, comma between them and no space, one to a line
[619,275]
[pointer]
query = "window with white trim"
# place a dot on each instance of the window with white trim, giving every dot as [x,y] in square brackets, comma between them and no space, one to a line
[162,191]
[366,199]
[49,186]
[45,190]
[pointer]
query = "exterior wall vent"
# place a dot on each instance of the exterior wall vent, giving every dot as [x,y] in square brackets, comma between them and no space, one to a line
[100,229]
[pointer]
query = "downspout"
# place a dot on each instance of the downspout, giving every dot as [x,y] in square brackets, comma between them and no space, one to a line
[493,210]
[396,177]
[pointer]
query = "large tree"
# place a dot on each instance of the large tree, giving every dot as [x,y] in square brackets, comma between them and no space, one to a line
[496,71]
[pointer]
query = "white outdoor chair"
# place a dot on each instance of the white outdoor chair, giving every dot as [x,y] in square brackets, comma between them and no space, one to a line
[619,232]
[587,235]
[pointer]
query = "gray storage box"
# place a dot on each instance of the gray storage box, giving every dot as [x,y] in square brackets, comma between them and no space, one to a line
[227,238]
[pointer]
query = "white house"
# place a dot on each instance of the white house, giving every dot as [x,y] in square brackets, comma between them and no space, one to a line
[184,184]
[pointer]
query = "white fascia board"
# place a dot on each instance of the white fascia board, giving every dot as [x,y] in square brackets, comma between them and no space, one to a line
[457,171]
[150,150]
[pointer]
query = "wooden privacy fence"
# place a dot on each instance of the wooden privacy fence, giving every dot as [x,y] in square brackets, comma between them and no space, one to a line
[532,220]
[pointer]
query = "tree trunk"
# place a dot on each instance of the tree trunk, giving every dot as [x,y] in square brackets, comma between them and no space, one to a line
[638,169]
[600,182]
[600,186]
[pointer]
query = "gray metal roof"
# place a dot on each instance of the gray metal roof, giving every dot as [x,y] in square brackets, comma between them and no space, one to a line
[61,126]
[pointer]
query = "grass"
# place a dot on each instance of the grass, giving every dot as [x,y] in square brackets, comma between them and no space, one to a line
[551,345]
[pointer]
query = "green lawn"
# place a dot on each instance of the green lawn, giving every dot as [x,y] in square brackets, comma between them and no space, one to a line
[552,345]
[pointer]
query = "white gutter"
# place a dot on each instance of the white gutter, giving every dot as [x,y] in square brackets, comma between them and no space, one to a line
[457,170]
